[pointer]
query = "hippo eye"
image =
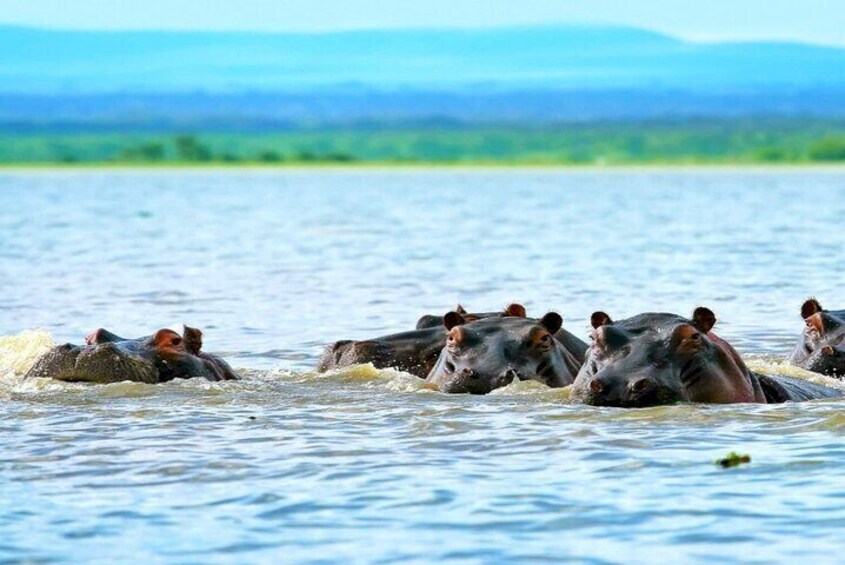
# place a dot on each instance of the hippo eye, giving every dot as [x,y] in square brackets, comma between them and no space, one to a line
[176,341]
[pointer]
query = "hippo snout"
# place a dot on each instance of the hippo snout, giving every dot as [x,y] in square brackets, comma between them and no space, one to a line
[609,390]
[643,386]
[469,381]
[507,378]
[830,360]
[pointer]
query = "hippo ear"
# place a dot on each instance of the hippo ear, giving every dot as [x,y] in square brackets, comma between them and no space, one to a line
[552,322]
[193,339]
[460,310]
[704,319]
[599,319]
[515,310]
[453,319]
[168,339]
[811,306]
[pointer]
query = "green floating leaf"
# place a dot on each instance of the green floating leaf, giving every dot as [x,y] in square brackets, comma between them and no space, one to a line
[733,459]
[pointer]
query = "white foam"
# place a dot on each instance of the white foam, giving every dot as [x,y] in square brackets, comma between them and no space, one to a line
[18,353]
[780,366]
[532,388]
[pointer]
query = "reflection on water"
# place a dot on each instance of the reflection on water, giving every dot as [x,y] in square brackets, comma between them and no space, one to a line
[371,463]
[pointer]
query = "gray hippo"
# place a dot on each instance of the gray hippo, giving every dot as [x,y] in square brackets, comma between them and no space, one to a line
[414,351]
[821,348]
[653,359]
[574,345]
[435,321]
[108,358]
[486,354]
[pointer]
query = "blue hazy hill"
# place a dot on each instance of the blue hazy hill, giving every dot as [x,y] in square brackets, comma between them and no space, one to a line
[39,61]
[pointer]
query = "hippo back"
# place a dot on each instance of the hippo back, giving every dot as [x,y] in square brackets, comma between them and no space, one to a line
[414,352]
[778,389]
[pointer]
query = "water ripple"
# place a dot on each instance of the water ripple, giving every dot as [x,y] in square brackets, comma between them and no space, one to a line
[371,464]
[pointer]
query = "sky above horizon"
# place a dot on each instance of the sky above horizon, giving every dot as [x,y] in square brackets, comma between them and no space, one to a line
[812,21]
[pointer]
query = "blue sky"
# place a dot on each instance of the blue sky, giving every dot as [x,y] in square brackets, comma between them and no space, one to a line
[817,21]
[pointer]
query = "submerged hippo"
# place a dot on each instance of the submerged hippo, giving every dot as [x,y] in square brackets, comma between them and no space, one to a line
[484,355]
[414,352]
[434,321]
[108,358]
[821,348]
[654,359]
[574,345]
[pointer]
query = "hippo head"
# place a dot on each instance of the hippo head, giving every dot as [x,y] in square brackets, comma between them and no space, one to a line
[107,358]
[821,348]
[490,353]
[654,359]
[433,321]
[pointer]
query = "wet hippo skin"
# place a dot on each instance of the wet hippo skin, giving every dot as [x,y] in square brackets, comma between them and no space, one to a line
[414,351]
[659,358]
[486,354]
[107,358]
[573,344]
[821,347]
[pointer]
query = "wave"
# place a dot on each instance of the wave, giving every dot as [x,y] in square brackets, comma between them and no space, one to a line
[18,353]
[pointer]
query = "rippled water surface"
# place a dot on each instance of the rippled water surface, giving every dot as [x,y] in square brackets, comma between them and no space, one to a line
[370,466]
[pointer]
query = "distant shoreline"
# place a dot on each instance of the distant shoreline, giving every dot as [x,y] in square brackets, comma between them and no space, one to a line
[794,142]
[48,168]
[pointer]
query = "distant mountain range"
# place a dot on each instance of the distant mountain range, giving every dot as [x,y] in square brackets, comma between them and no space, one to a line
[273,112]
[39,61]
[52,80]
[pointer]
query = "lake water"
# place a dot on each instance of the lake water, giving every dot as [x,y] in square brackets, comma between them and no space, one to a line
[369,466]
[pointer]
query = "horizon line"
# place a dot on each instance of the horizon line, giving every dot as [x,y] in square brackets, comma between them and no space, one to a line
[681,38]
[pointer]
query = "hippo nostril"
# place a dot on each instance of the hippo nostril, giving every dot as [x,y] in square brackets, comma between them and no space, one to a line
[642,385]
[511,374]
[469,373]
[828,350]
[596,386]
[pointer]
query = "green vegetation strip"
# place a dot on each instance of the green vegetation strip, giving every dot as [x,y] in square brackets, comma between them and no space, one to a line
[706,142]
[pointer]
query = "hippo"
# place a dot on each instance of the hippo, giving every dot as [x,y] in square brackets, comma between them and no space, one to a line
[657,358]
[821,348]
[434,321]
[414,352]
[572,343]
[109,358]
[490,353]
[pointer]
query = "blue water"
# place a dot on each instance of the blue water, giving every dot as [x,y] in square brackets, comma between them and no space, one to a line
[369,466]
